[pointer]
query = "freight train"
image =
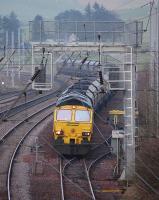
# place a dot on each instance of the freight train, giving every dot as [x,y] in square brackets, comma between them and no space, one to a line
[74,115]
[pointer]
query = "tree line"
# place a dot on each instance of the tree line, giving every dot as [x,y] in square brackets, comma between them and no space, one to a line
[9,24]
[94,13]
[39,32]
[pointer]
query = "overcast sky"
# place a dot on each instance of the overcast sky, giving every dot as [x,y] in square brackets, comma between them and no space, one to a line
[27,9]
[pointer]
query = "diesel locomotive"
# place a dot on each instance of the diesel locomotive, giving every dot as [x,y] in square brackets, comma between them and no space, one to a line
[74,115]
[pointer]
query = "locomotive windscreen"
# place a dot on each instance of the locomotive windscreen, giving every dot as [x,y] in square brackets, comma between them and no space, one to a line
[64,115]
[82,116]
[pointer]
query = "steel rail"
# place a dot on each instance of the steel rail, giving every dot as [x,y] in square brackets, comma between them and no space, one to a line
[13,93]
[8,95]
[89,181]
[68,163]
[15,153]
[12,97]
[62,173]
[6,101]
[27,105]
[88,169]
[98,145]
[76,185]
[27,118]
[69,180]
[61,180]
[97,159]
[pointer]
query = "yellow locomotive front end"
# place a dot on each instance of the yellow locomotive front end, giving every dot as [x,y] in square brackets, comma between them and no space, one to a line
[72,129]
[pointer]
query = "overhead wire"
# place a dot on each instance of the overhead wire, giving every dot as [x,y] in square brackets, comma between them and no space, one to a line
[141,18]
[151,7]
[124,4]
[147,16]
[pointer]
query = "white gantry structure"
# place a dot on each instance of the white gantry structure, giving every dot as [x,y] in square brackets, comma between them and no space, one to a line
[117,62]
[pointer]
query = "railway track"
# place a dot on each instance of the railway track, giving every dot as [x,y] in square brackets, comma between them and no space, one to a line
[6,102]
[79,178]
[101,175]
[70,181]
[74,180]
[10,144]
[7,98]
[8,95]
[19,112]
[14,132]
[30,103]
[22,107]
[20,116]
[74,175]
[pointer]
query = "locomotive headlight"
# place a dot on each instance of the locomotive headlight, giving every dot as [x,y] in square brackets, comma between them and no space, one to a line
[86,133]
[59,132]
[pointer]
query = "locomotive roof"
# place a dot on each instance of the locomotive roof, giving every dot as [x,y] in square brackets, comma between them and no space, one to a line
[74,98]
[76,94]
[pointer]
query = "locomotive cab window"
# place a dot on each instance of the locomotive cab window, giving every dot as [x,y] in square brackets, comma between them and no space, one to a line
[82,116]
[64,115]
